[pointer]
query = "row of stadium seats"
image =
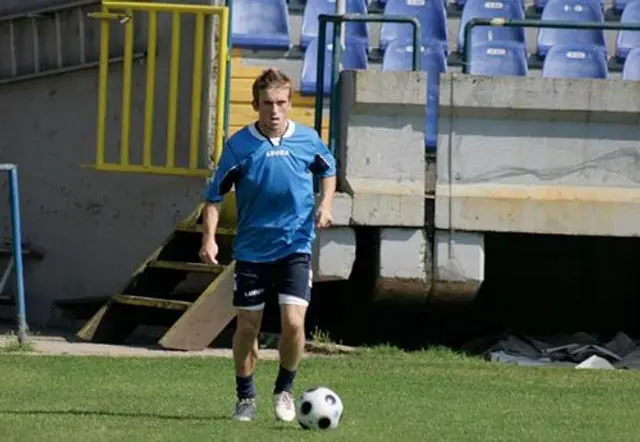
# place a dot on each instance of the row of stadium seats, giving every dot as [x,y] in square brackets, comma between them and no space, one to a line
[495,58]
[618,5]
[264,24]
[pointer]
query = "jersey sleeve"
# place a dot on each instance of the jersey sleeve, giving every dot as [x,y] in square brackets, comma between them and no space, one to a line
[225,176]
[323,163]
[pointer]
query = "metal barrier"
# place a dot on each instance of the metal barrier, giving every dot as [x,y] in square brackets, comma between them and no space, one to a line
[122,11]
[16,243]
[59,37]
[227,103]
[334,107]
[507,23]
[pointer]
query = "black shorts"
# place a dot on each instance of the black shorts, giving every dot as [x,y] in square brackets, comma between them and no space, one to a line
[290,278]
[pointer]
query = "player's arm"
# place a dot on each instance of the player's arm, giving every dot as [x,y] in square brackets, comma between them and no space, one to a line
[324,166]
[226,175]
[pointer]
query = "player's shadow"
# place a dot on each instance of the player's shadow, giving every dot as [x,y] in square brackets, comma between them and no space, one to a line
[72,412]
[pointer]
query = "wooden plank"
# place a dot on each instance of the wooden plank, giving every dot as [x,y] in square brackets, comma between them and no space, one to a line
[187,266]
[143,301]
[193,216]
[240,69]
[28,252]
[206,318]
[118,325]
[87,332]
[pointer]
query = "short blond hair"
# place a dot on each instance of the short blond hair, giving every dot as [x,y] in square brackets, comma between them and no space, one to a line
[270,78]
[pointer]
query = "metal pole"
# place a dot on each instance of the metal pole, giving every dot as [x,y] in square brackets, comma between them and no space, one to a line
[228,79]
[335,93]
[322,44]
[341,9]
[323,19]
[17,247]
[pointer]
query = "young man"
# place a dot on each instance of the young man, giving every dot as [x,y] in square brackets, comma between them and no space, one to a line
[271,164]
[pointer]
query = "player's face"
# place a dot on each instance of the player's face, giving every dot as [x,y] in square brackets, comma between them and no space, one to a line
[273,108]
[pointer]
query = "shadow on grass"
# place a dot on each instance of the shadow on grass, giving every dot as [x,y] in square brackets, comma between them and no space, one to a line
[159,416]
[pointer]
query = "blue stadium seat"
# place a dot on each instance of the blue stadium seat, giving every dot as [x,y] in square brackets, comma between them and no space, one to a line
[631,69]
[628,40]
[575,60]
[511,9]
[498,58]
[310,24]
[619,5]
[572,11]
[399,57]
[260,24]
[354,57]
[540,4]
[431,15]
[461,3]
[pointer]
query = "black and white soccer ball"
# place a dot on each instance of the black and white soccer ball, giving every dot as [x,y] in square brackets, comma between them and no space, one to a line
[319,408]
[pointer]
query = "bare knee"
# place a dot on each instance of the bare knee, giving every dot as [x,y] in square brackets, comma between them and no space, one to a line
[248,324]
[292,319]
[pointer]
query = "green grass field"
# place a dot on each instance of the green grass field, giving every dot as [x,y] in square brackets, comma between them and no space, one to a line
[389,396]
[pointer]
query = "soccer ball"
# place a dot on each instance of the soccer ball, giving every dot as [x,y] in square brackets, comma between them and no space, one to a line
[319,409]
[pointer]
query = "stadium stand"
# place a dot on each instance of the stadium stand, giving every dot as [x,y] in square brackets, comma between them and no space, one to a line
[631,71]
[289,42]
[354,57]
[628,40]
[511,9]
[541,4]
[313,8]
[571,11]
[619,5]
[260,24]
[498,58]
[431,15]
[399,57]
[575,60]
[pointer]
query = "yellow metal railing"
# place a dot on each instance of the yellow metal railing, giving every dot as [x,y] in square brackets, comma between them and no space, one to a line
[123,12]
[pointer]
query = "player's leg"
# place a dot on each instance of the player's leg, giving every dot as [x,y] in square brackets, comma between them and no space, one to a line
[249,299]
[294,292]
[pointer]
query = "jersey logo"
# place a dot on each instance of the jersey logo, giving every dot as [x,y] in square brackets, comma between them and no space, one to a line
[277,153]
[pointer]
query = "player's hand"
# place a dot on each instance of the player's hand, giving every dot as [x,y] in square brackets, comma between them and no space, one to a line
[323,216]
[209,250]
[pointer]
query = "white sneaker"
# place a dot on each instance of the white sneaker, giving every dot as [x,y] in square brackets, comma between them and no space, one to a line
[284,407]
[245,410]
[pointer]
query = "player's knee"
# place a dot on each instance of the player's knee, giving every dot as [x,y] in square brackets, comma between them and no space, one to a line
[293,319]
[248,324]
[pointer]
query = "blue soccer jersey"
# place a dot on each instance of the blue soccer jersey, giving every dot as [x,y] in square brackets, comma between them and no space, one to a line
[273,181]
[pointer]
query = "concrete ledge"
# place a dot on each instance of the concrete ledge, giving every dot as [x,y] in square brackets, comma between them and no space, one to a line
[383,164]
[592,100]
[341,209]
[374,209]
[379,88]
[405,266]
[571,210]
[459,265]
[334,254]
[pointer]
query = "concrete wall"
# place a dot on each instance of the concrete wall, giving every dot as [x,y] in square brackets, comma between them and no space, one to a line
[538,155]
[14,7]
[385,172]
[94,227]
[531,155]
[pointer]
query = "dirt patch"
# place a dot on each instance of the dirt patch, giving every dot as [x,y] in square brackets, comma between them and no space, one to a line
[62,345]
